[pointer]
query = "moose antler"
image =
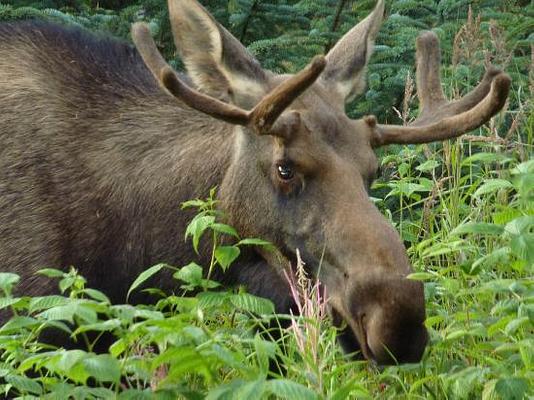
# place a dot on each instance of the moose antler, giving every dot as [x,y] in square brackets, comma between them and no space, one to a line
[440,119]
[261,117]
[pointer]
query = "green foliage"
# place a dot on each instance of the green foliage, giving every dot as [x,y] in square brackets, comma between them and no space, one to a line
[465,210]
[285,34]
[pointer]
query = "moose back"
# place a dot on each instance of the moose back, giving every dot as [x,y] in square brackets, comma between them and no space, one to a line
[101,141]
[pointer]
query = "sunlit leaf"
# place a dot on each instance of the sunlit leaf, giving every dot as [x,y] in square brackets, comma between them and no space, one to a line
[226,255]
[144,276]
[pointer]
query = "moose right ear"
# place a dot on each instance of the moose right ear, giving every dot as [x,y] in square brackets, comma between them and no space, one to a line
[347,61]
[216,61]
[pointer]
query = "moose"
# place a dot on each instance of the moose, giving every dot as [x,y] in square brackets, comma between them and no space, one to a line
[101,141]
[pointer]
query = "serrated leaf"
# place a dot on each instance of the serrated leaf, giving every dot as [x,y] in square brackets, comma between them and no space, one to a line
[428,165]
[253,304]
[478,228]
[7,281]
[24,384]
[485,158]
[46,302]
[102,367]
[8,301]
[226,229]
[522,232]
[511,388]
[103,326]
[51,273]
[492,185]
[19,322]
[144,276]
[351,390]
[286,389]
[226,255]
[515,324]
[196,228]
[97,295]
[191,274]
[211,299]
[66,361]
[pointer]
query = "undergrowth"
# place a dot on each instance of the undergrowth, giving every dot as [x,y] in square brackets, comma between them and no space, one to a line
[465,210]
[468,218]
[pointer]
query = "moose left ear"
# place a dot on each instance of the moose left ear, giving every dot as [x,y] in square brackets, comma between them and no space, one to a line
[347,61]
[216,61]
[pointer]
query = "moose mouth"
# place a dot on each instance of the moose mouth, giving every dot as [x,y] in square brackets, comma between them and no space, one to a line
[353,339]
[360,339]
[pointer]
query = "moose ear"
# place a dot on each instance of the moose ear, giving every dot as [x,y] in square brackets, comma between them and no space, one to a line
[216,61]
[347,61]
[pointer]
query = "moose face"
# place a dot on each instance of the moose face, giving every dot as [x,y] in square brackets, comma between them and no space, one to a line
[300,169]
[306,189]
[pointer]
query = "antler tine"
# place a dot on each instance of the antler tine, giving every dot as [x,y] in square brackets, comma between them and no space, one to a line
[261,118]
[271,106]
[428,56]
[170,80]
[147,48]
[440,119]
[449,127]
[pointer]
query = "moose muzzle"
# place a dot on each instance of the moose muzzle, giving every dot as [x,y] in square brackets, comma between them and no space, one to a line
[384,320]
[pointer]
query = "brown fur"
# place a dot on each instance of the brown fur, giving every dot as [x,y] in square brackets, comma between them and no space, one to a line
[96,157]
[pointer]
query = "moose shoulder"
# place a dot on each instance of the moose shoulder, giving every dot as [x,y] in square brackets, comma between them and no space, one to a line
[100,142]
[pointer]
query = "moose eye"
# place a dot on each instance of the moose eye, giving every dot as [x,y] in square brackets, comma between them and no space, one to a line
[285,172]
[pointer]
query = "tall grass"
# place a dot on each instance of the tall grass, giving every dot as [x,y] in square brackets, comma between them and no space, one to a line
[465,210]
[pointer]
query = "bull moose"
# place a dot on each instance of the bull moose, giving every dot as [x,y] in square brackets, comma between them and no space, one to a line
[101,141]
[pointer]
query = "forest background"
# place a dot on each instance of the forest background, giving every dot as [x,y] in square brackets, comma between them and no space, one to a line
[465,209]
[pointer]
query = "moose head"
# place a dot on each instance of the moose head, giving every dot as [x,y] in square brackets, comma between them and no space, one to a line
[301,168]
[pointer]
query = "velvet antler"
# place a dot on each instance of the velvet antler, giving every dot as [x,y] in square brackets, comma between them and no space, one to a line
[440,119]
[261,117]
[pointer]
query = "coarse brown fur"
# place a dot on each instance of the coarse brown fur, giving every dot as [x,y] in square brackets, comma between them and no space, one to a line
[96,158]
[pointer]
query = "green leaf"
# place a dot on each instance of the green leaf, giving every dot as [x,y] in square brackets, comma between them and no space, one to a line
[102,367]
[197,226]
[226,229]
[428,165]
[253,304]
[7,281]
[46,302]
[211,299]
[512,388]
[492,185]
[478,228]
[19,322]
[522,232]
[485,158]
[117,348]
[184,360]
[349,390]
[255,242]
[197,203]
[191,274]
[97,295]
[51,273]
[515,324]
[8,301]
[102,326]
[422,276]
[226,255]
[24,385]
[144,276]
[286,389]
[66,361]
